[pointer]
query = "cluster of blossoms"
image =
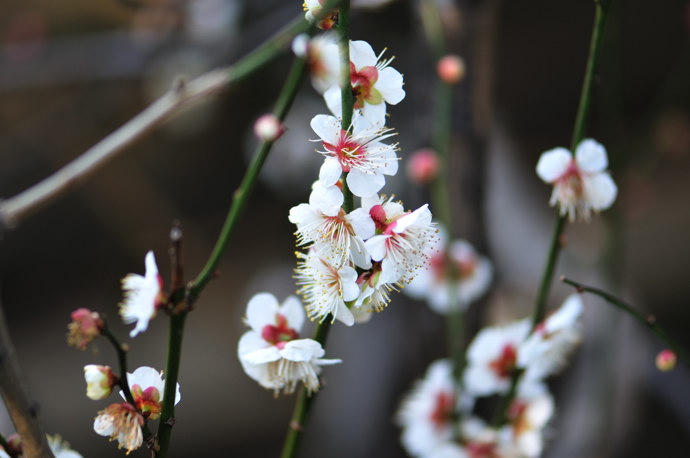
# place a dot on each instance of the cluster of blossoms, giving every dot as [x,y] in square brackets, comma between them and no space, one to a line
[354,257]
[143,297]
[437,416]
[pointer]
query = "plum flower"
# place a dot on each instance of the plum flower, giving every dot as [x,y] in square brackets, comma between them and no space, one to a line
[456,272]
[61,448]
[312,8]
[100,381]
[426,413]
[373,83]
[121,422]
[86,325]
[545,351]
[358,153]
[402,238]
[321,54]
[147,385]
[581,183]
[143,296]
[326,288]
[492,358]
[272,352]
[338,236]
[527,416]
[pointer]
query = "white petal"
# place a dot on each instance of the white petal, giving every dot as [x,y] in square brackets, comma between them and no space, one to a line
[261,311]
[151,267]
[293,311]
[326,127]
[591,156]
[553,164]
[600,191]
[376,246]
[344,315]
[362,54]
[262,356]
[406,221]
[300,214]
[348,279]
[364,184]
[146,377]
[567,315]
[326,199]
[333,100]
[300,44]
[361,222]
[330,171]
[302,350]
[375,114]
[390,85]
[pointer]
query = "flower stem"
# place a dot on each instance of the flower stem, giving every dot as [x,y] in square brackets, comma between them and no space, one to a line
[555,244]
[646,319]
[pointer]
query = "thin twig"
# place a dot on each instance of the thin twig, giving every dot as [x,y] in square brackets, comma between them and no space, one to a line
[22,409]
[646,319]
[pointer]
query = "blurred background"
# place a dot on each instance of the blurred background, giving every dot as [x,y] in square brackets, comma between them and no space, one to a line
[73,71]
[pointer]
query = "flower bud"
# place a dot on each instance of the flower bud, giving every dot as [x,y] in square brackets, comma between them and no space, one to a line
[100,381]
[451,69]
[423,166]
[14,444]
[85,326]
[666,360]
[268,128]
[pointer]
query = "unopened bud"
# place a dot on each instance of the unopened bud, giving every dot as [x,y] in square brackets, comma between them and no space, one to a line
[423,166]
[451,69]
[268,128]
[100,381]
[666,360]
[14,444]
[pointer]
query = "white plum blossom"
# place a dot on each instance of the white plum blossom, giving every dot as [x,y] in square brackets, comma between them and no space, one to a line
[272,352]
[374,84]
[402,238]
[359,153]
[143,296]
[426,413]
[337,236]
[61,448]
[545,351]
[326,288]
[527,416]
[492,358]
[456,273]
[581,182]
[312,8]
[321,54]
[147,386]
[99,381]
[121,422]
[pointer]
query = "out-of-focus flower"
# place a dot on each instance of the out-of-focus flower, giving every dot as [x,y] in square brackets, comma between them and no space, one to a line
[86,325]
[268,128]
[527,416]
[61,448]
[451,69]
[100,381]
[426,413]
[402,238]
[581,183]
[143,296]
[360,154]
[121,422]
[423,165]
[374,83]
[272,352]
[492,358]
[321,53]
[457,275]
[312,8]
[147,386]
[545,351]
[326,288]
[666,360]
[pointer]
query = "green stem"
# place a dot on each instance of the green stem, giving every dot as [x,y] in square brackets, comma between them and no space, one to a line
[172,369]
[646,319]
[555,244]
[241,196]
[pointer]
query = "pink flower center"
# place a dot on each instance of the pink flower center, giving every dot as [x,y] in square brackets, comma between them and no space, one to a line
[279,334]
[572,180]
[348,152]
[481,449]
[504,365]
[363,85]
[443,409]
[147,401]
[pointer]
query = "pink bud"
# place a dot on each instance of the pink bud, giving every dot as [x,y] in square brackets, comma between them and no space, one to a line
[268,128]
[423,166]
[451,69]
[666,360]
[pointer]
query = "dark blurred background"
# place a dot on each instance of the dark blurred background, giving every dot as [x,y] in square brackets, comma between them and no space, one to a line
[73,71]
